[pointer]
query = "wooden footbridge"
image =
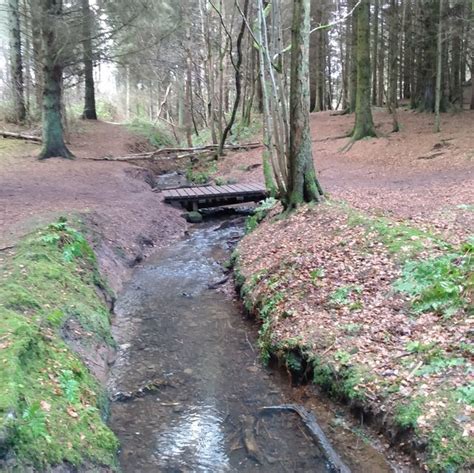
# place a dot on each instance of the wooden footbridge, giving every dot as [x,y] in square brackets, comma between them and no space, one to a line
[199,197]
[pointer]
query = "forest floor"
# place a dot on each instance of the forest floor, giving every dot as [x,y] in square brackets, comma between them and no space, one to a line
[414,174]
[416,179]
[370,294]
[115,198]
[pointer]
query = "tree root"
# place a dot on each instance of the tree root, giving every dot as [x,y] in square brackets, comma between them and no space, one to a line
[313,427]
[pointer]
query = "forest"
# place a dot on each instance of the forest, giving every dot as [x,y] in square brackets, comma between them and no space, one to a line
[236,235]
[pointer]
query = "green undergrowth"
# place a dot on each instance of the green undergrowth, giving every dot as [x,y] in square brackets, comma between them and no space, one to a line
[435,277]
[201,172]
[157,134]
[241,133]
[52,409]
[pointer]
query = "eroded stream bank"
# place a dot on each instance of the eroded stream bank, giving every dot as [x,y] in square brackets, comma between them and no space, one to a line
[188,381]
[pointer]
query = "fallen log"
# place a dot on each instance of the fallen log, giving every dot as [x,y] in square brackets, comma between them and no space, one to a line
[20,136]
[313,427]
[177,153]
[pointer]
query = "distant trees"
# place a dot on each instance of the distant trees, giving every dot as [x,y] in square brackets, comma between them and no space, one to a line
[194,66]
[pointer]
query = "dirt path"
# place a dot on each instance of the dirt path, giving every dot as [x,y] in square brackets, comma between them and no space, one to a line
[122,208]
[413,174]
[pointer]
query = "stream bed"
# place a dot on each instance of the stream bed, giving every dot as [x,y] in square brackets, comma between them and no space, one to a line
[188,383]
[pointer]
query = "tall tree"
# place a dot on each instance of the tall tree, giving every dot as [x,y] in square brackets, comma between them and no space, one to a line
[439,70]
[53,133]
[393,70]
[303,185]
[16,62]
[237,64]
[364,123]
[89,97]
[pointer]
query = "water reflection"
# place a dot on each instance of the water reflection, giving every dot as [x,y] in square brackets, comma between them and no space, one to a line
[195,437]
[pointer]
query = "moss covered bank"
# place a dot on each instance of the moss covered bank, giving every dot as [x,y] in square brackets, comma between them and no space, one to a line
[52,306]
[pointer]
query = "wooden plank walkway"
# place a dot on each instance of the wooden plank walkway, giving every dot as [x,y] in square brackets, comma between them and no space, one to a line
[198,197]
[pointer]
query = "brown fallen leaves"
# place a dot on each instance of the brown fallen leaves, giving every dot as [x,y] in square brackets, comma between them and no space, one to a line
[334,280]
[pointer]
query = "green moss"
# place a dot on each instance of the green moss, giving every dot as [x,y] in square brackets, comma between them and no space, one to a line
[448,449]
[51,407]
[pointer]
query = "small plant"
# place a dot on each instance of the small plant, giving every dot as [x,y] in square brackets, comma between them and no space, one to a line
[440,284]
[352,329]
[440,364]
[342,357]
[342,295]
[33,423]
[407,414]
[316,275]
[69,385]
[260,213]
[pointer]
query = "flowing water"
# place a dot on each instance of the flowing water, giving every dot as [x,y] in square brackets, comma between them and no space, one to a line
[188,381]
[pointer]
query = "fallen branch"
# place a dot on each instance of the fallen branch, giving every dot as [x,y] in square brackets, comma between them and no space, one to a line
[174,152]
[6,248]
[313,427]
[20,136]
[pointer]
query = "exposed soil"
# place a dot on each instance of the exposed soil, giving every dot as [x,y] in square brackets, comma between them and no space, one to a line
[115,198]
[414,174]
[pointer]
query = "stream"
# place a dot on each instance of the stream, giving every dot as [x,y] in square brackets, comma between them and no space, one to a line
[188,383]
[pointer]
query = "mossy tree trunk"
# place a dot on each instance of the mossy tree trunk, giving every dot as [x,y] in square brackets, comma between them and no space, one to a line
[53,133]
[90,112]
[303,185]
[16,61]
[364,123]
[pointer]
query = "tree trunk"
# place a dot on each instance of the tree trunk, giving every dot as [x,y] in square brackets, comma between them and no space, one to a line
[439,71]
[238,85]
[364,124]
[380,63]
[53,133]
[375,22]
[16,61]
[303,185]
[37,61]
[89,99]
[353,68]
[393,65]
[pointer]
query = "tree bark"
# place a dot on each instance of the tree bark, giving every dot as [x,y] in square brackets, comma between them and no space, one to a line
[393,65]
[16,61]
[303,185]
[53,134]
[90,112]
[375,22]
[353,58]
[439,71]
[364,124]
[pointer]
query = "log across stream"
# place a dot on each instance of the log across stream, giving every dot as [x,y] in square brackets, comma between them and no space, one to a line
[188,387]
